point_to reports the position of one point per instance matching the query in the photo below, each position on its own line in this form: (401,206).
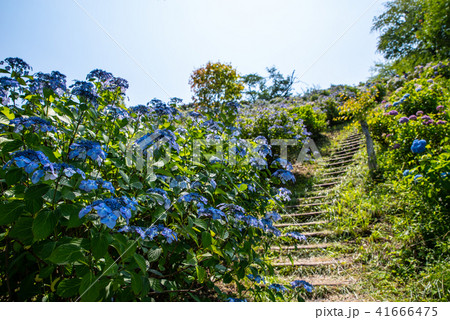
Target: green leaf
(11,146)
(201,274)
(70,212)
(140,262)
(13,176)
(66,254)
(44,224)
(36,191)
(10,212)
(136,283)
(89,288)
(68,288)
(22,230)
(242,187)
(137,185)
(206,239)
(99,245)
(154,254)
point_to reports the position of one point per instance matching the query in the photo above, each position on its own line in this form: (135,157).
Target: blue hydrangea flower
(161,109)
(278,287)
(140,110)
(193,196)
(257,279)
(263,150)
(296,235)
(403,120)
(109,210)
(35,123)
(418,146)
(101,75)
(195,114)
(30,160)
(215,214)
(283,163)
(88,185)
(16,65)
(116,112)
(445,174)
(162,193)
(302,283)
(212,126)
(115,83)
(258,162)
(151,232)
(283,194)
(157,137)
(7,82)
(52,172)
(84,148)
(229,207)
(275,216)
(417,177)
(85,90)
(406,173)
(55,81)
(236,300)
(284,175)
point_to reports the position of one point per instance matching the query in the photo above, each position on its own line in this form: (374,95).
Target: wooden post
(372,158)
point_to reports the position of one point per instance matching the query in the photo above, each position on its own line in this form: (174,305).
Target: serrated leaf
(89,288)
(140,262)
(136,283)
(154,254)
(206,239)
(66,254)
(68,288)
(44,224)
(99,245)
(10,212)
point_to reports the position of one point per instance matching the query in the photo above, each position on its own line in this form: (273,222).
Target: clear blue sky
(170,38)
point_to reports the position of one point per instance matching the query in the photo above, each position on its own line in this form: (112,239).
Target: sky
(156,44)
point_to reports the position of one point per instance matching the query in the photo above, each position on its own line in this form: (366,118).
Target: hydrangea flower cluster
(89,185)
(284,175)
(161,109)
(110,209)
(278,287)
(163,193)
(151,232)
(193,196)
(418,146)
(116,112)
(214,213)
(84,148)
(302,283)
(16,65)
(285,164)
(35,123)
(155,138)
(108,81)
(85,90)
(140,110)
(257,279)
(30,161)
(55,81)
(53,171)
(296,235)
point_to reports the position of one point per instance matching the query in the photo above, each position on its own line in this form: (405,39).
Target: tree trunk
(372,158)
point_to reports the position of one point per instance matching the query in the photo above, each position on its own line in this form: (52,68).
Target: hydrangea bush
(101,202)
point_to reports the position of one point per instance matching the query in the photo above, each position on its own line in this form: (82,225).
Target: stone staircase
(323,259)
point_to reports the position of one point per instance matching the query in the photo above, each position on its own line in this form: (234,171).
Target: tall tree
(215,83)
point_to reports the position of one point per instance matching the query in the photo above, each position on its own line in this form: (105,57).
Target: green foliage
(215,83)
(274,86)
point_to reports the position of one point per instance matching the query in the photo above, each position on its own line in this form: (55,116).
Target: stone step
(340,158)
(303,214)
(311,263)
(334,172)
(322,233)
(343,150)
(329,184)
(338,163)
(305,246)
(308,204)
(302,224)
